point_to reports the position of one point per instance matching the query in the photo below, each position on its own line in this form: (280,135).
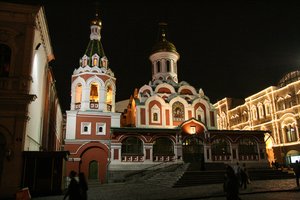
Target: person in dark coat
(297,172)
(231,185)
(83,186)
(244,177)
(73,188)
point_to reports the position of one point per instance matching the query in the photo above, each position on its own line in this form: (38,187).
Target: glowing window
(78,93)
(109,96)
(95,61)
(94,96)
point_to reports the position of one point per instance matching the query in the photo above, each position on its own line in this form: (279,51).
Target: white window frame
(155,109)
(88,125)
(103,125)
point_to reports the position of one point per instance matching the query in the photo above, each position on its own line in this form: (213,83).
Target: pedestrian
(83,186)
(73,187)
(231,184)
(244,177)
(237,171)
(296,169)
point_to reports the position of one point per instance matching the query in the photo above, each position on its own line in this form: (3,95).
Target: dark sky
(227,48)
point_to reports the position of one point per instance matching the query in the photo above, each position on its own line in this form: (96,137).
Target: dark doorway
(93,170)
(193,151)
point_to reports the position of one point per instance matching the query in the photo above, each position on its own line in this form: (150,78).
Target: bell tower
(92,112)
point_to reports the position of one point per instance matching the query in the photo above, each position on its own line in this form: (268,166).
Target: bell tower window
(78,93)
(94,96)
(109,96)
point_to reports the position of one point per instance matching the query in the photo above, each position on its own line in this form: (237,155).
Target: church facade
(166,121)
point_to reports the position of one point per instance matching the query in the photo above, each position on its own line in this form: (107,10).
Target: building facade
(166,121)
(29,108)
(276,109)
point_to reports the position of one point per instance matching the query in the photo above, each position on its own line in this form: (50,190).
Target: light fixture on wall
(193,129)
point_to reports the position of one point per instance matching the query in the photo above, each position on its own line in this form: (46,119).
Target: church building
(166,121)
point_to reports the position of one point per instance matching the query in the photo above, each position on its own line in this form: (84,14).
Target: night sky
(227,48)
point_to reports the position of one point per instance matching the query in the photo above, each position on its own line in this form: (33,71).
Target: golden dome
(163,44)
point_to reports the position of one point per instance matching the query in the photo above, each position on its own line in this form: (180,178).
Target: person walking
(73,188)
(244,177)
(231,184)
(83,186)
(297,171)
(237,171)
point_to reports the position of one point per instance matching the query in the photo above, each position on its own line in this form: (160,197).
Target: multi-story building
(29,108)
(277,109)
(165,121)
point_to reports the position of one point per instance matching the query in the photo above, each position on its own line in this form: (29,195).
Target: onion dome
(94,52)
(289,78)
(163,44)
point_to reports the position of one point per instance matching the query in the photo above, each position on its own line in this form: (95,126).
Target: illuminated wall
(276,108)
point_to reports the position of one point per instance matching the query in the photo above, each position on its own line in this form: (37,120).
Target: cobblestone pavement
(144,191)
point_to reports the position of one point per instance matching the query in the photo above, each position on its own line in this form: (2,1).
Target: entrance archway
(193,149)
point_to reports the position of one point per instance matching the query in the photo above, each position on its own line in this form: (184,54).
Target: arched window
(155,114)
(220,147)
(268,108)
(280,103)
(158,66)
(5,57)
(94,96)
(132,146)
(163,146)
(104,62)
(247,146)
(261,112)
(85,129)
(200,115)
(223,121)
(109,96)
(168,65)
(95,61)
(254,112)
(178,111)
(78,93)
(290,133)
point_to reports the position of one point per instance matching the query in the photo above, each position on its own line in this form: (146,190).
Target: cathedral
(166,121)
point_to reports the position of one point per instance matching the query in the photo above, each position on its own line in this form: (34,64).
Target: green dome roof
(163,44)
